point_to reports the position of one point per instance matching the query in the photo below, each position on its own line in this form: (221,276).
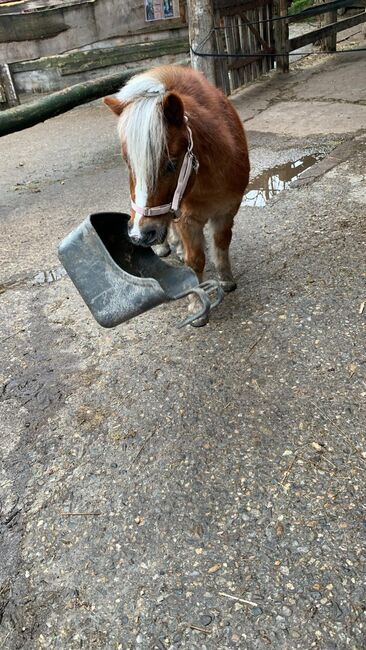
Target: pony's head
(157,147)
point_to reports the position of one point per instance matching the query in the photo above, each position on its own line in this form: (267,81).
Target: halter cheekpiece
(190,163)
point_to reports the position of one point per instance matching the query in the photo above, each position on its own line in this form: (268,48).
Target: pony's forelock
(142,128)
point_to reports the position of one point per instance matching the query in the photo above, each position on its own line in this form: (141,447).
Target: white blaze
(140,200)
(142,128)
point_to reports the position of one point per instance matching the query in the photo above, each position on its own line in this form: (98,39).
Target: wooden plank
(252,46)
(281,36)
(236,48)
(233,5)
(221,64)
(241,76)
(243,33)
(317,34)
(236,8)
(254,30)
(238,63)
(262,14)
(329,43)
(229,49)
(87,60)
(271,60)
(93,59)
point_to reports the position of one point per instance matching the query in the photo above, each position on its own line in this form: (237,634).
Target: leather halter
(190,163)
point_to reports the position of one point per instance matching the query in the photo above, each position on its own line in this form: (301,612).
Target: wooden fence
(328,32)
(243,28)
(260,28)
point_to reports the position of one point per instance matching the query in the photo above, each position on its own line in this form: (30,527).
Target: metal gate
(242,28)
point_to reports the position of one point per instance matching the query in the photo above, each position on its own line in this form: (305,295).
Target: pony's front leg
(191,234)
(171,243)
(221,230)
(175,241)
(162,250)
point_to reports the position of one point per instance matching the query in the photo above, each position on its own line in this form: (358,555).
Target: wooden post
(329,43)
(281,36)
(200,24)
(6,83)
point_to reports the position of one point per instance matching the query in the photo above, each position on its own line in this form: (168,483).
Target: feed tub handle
(202,291)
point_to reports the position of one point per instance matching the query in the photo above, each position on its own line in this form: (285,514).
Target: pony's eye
(171,166)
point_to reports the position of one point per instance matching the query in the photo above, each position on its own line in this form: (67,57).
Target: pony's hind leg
(221,234)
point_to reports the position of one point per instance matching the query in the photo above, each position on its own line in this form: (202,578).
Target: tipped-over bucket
(119,280)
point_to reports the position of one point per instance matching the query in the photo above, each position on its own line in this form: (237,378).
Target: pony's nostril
(133,238)
(150,236)
(146,238)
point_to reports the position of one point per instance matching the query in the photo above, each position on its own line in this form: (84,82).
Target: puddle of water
(273,181)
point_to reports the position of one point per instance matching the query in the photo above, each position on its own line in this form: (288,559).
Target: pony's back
(207,106)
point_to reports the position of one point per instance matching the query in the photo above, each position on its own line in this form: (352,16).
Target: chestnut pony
(187,155)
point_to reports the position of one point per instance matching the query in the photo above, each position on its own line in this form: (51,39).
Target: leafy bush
(299,5)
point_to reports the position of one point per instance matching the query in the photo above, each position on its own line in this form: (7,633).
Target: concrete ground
(198,489)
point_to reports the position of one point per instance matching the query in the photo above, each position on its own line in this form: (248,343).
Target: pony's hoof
(180,253)
(162,250)
(228,285)
(200,322)
(195,307)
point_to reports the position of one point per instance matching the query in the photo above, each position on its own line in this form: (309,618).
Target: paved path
(196,489)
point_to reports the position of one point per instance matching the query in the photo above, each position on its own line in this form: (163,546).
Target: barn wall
(55,30)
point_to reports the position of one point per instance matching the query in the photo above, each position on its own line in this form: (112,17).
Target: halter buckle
(195,162)
(176,215)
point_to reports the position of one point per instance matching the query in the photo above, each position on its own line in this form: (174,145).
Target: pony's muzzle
(145,239)
(148,235)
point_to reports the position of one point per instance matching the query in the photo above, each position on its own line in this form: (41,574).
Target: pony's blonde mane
(141,127)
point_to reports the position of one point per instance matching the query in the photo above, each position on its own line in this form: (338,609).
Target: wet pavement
(196,489)
(274,180)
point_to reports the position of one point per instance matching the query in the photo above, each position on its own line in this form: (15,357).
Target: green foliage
(299,5)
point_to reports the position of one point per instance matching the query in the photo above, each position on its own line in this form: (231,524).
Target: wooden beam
(281,36)
(23,117)
(201,26)
(239,63)
(236,5)
(317,34)
(85,60)
(316,9)
(234,8)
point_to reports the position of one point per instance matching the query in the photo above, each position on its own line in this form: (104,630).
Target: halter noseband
(189,164)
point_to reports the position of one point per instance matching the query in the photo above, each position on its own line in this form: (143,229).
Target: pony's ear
(173,109)
(114,104)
